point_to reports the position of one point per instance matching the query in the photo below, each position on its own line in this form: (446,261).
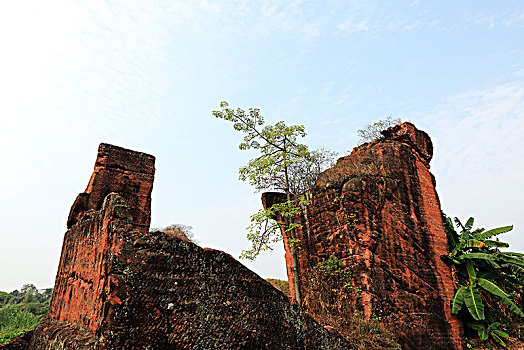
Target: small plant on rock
(491,331)
(373,131)
(331,299)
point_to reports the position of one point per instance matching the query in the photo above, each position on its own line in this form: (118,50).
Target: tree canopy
(284,165)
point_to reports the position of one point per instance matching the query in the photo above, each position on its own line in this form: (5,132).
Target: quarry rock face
(119,286)
(378,212)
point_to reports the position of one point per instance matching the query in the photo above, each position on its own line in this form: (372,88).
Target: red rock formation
(123,171)
(378,212)
(119,286)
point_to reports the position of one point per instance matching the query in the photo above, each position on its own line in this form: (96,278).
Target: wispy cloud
(483,124)
(509,19)
(479,154)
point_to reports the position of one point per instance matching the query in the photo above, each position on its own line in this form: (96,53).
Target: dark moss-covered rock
(119,286)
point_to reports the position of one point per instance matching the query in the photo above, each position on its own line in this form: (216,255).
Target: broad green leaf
(497,244)
(458,300)
(513,254)
(482,256)
(493,232)
(471,256)
(497,339)
(474,303)
(512,306)
(483,334)
(453,237)
(471,272)
(469,224)
(504,298)
(493,326)
(501,333)
(511,259)
(459,224)
(491,287)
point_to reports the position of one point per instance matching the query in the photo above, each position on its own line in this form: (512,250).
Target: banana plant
(491,331)
(478,263)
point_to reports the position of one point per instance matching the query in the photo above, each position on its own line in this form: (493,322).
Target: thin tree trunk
(304,209)
(294,268)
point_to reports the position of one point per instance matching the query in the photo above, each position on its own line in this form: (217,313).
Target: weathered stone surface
(123,171)
(119,286)
(378,212)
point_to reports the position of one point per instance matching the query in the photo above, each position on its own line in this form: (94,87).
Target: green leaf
(458,300)
(518,271)
(504,298)
(470,256)
(501,333)
(497,244)
(497,339)
(491,287)
(483,334)
(469,224)
(511,259)
(513,254)
(493,232)
(471,272)
(459,224)
(512,306)
(481,256)
(493,326)
(474,303)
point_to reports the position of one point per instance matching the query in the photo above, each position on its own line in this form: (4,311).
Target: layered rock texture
(119,286)
(378,212)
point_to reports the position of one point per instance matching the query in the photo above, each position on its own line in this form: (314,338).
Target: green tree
(284,165)
(30,293)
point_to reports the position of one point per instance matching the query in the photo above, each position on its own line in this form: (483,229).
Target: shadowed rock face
(119,286)
(378,212)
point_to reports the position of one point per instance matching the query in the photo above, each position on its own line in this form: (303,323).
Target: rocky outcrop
(119,286)
(122,171)
(378,212)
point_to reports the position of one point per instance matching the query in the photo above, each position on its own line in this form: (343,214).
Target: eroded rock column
(378,212)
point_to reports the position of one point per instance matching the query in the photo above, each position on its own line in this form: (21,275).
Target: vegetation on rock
(331,301)
(182,231)
(374,130)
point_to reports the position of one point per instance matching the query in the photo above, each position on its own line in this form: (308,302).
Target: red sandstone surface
(119,286)
(378,212)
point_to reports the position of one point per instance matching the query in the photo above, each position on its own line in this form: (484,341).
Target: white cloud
(507,19)
(479,155)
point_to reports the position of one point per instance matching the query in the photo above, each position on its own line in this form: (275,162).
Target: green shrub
(488,281)
(15,320)
(22,311)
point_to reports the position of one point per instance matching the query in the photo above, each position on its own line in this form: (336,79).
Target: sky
(146,75)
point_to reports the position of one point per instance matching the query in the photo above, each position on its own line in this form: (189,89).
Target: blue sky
(146,75)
